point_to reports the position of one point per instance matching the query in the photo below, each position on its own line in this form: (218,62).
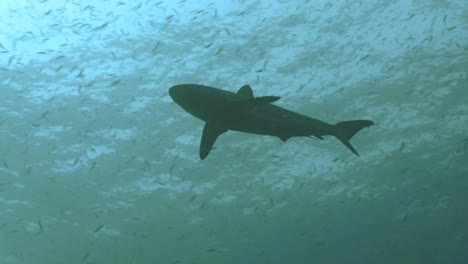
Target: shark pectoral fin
(211,132)
(246,90)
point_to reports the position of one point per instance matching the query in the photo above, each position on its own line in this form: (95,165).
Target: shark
(241,111)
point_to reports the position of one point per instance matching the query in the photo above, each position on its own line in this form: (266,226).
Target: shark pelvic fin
(211,132)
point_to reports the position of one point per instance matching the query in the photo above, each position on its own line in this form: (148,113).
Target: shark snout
(174,91)
(183,94)
(178,93)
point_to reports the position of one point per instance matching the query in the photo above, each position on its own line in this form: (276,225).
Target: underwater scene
(233,131)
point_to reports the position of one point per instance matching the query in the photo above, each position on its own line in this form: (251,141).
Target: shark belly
(276,121)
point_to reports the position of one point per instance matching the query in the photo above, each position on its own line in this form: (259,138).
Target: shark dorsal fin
(211,132)
(246,90)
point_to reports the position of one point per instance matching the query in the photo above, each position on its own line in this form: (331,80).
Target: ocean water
(99,165)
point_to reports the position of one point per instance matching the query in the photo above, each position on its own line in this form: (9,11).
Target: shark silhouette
(223,110)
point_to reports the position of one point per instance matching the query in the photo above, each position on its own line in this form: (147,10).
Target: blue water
(99,165)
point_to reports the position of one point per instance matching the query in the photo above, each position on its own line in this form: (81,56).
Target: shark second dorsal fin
(246,90)
(264,99)
(248,104)
(211,132)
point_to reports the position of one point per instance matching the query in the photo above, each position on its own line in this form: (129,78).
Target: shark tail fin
(347,129)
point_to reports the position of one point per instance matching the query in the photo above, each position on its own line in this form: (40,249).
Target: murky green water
(99,165)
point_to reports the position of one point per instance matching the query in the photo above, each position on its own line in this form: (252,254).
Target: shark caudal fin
(347,129)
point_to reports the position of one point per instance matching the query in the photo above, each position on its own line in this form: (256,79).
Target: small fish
(155,47)
(41,228)
(203,204)
(135,57)
(11,59)
(136,7)
(158,182)
(451,28)
(365,56)
(209,44)
(193,198)
(429,38)
(219,51)
(5,163)
(85,257)
(411,16)
(114,83)
(101,26)
(147,163)
(80,74)
(98,228)
(44,115)
(402,146)
(132,158)
(404,217)
(217,250)
(265,64)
